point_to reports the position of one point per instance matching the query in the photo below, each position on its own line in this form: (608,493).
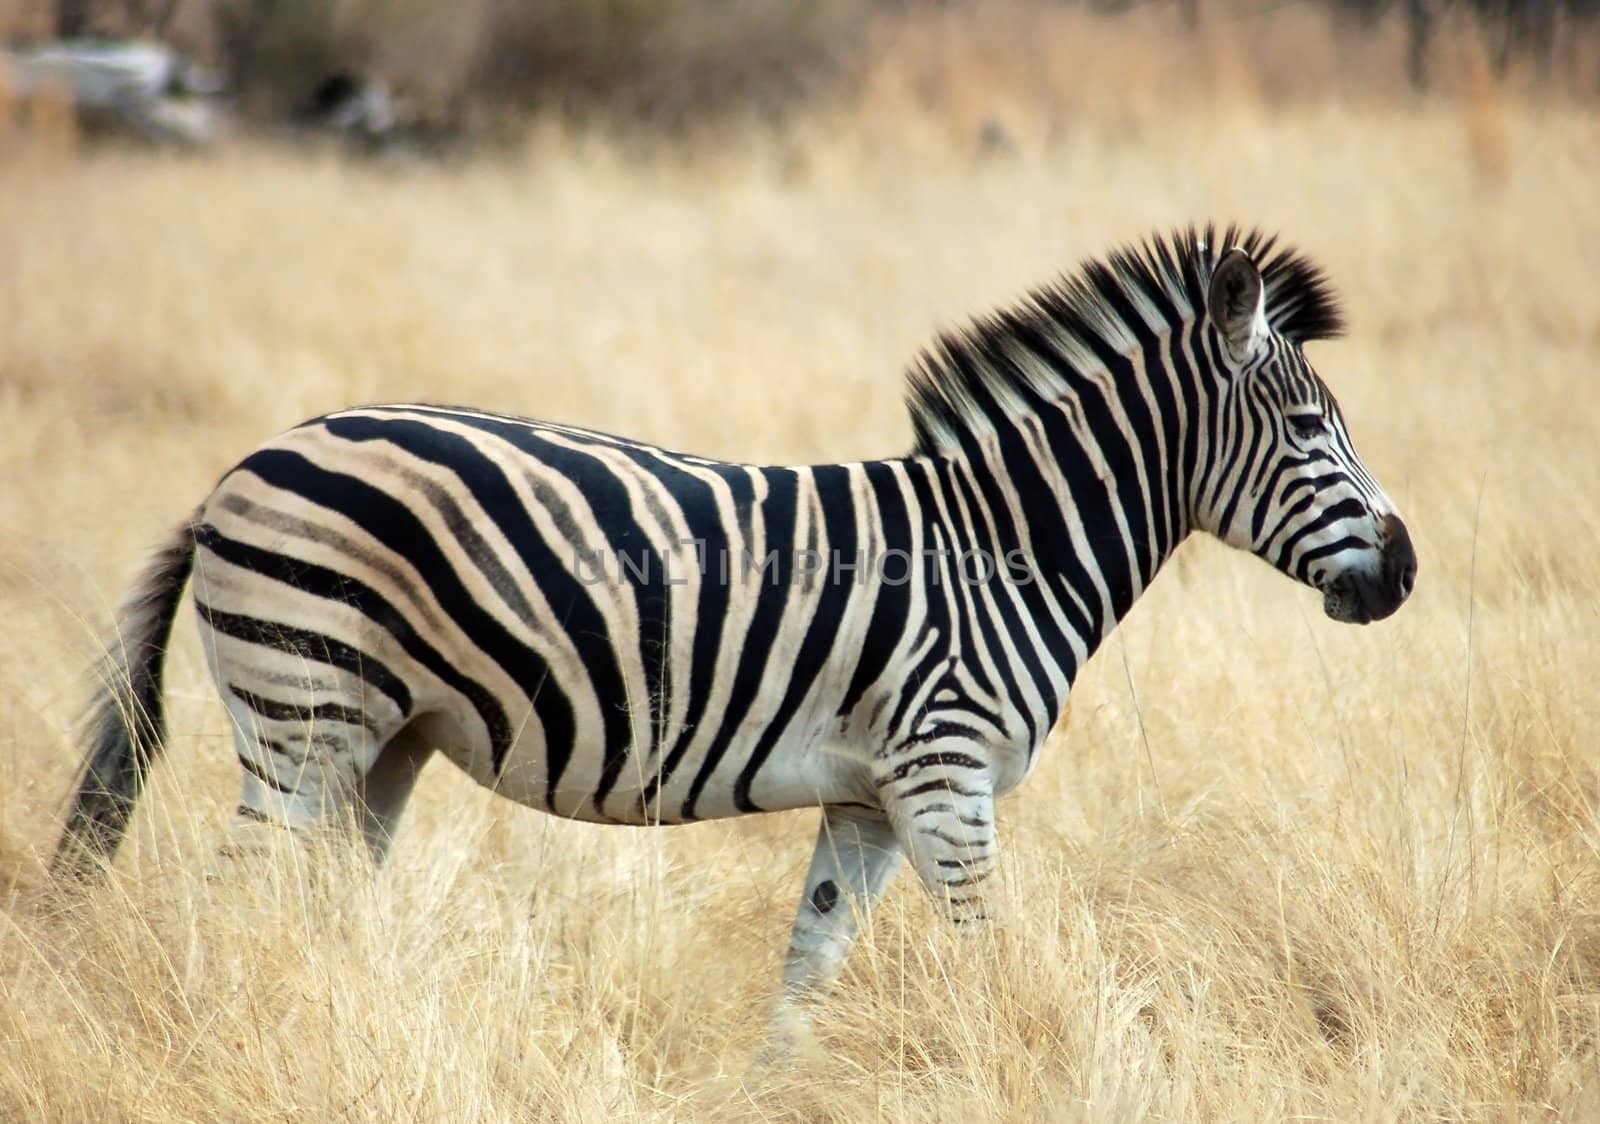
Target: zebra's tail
(125,719)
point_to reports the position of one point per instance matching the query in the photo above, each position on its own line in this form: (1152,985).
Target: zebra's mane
(1013,360)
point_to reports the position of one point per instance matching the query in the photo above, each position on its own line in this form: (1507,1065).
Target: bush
(651,61)
(668,64)
(276,51)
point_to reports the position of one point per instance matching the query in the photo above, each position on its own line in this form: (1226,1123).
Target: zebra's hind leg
(302,767)
(386,787)
(855,856)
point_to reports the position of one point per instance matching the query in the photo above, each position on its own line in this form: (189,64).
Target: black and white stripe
(614,632)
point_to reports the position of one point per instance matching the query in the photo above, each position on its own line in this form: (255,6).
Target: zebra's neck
(1082,469)
(1084,525)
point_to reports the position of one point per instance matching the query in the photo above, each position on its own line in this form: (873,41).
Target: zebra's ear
(1237,303)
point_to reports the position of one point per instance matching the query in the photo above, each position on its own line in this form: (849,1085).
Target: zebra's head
(1284,480)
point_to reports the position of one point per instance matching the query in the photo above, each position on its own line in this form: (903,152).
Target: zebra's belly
(806,773)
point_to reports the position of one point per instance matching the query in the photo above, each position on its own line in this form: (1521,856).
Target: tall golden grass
(1274,867)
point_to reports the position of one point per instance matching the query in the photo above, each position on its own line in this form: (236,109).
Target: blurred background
(433,77)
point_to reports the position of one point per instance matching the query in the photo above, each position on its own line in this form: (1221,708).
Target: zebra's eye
(1306,425)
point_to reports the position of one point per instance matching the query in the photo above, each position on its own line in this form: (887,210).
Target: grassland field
(1272,867)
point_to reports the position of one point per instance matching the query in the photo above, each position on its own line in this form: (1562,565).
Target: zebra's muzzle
(1361,596)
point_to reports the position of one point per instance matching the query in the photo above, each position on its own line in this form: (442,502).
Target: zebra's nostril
(1400,559)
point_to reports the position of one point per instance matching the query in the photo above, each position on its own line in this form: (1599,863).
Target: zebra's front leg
(940,800)
(855,856)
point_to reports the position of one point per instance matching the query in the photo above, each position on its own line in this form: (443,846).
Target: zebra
(554,608)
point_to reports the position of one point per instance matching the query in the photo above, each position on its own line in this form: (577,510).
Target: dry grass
(1276,867)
